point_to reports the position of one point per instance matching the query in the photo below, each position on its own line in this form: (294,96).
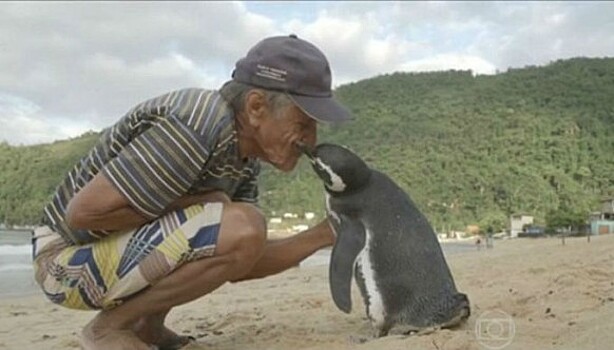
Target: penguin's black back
(411,272)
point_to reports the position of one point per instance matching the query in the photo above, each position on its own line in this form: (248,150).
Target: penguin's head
(341,170)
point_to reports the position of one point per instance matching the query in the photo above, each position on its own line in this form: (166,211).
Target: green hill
(30,174)
(468,149)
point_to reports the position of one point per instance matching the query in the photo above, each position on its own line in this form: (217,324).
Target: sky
(70,67)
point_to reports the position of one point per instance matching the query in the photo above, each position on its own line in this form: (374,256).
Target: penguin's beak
(305,149)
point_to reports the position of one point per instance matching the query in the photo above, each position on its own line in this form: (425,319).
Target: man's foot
(169,340)
(159,335)
(95,336)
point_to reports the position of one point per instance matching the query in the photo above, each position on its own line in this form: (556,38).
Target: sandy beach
(525,294)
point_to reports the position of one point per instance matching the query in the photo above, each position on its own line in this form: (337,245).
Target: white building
(517,222)
(299,228)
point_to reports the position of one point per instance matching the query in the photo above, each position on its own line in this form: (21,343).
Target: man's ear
(255,107)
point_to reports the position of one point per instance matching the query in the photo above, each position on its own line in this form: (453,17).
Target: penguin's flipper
(350,242)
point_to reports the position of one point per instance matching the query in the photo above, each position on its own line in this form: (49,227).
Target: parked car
(533,231)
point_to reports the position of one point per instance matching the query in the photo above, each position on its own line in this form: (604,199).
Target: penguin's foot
(359,339)
(425,331)
(408,330)
(458,320)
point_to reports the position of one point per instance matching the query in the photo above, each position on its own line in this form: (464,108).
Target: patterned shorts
(102,274)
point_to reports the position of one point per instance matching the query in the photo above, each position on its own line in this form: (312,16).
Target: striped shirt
(182,142)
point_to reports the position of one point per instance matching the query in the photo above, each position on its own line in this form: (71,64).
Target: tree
(565,217)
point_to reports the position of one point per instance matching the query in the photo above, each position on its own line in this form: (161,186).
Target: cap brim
(323,109)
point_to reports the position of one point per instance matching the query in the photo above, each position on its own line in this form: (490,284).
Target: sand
(525,294)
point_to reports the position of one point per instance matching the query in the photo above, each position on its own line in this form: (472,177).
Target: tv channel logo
(495,329)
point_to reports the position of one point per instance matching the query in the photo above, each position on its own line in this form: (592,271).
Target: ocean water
(17,274)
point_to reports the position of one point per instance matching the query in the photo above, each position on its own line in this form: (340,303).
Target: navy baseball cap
(296,67)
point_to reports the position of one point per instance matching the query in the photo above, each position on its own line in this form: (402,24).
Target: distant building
(517,222)
(299,228)
(602,222)
(602,227)
(275,220)
(607,208)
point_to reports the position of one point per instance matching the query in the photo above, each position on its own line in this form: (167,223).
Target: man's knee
(242,233)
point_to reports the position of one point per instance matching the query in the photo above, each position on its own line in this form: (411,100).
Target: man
(161,211)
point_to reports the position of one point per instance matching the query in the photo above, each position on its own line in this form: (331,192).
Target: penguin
(387,245)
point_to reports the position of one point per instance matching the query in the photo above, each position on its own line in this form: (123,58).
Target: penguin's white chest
(374,301)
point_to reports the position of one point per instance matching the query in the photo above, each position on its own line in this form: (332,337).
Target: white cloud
(441,62)
(90,62)
(352,45)
(22,123)
(83,64)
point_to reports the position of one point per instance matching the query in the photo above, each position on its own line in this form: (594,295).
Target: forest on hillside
(468,149)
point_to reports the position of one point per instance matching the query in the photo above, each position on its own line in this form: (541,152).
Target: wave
(15,267)
(7,249)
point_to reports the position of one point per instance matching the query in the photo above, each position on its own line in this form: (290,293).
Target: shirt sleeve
(158,166)
(248,189)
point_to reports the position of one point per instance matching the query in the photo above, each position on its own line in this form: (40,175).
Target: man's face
(279,133)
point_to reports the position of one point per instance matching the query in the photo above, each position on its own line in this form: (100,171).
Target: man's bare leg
(279,255)
(240,244)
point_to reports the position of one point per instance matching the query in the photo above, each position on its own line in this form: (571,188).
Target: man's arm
(282,254)
(153,173)
(100,206)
